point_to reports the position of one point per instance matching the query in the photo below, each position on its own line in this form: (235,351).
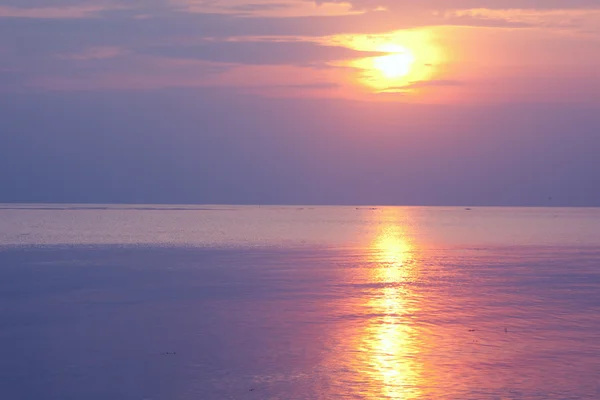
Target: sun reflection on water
(389,341)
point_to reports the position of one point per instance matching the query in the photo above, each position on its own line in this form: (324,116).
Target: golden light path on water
(384,350)
(391,339)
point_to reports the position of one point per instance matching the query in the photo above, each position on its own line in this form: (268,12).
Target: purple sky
(433,102)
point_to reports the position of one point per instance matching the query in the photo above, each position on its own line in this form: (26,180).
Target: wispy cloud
(309,86)
(260,52)
(140,73)
(95,53)
(423,84)
(268,8)
(565,19)
(66,12)
(453,5)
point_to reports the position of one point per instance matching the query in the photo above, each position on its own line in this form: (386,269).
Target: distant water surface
(227,302)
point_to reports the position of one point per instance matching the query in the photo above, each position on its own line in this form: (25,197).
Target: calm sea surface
(219,302)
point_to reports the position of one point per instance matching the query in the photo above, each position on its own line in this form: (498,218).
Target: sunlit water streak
(181,302)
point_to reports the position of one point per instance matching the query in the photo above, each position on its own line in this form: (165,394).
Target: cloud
(563,19)
(424,84)
(308,86)
(260,52)
(453,5)
(260,7)
(132,72)
(96,53)
(268,8)
(68,12)
(464,19)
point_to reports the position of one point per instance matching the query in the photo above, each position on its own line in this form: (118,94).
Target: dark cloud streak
(260,53)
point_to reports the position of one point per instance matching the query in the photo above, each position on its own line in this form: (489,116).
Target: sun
(397,62)
(395,65)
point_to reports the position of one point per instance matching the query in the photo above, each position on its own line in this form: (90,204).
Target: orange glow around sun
(400,60)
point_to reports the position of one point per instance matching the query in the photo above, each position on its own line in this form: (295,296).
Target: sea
(179,302)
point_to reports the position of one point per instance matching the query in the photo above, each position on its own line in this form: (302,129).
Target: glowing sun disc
(396,64)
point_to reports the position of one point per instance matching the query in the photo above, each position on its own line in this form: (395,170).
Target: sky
(389,102)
